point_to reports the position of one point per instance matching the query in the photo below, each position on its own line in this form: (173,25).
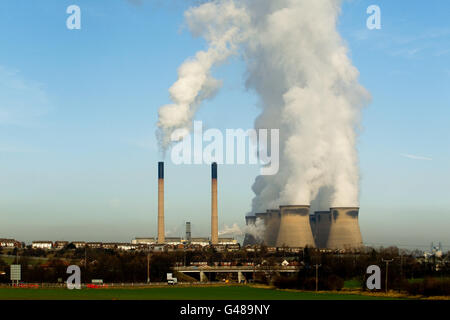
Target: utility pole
(148,267)
(254,265)
(401,266)
(85,264)
(387,270)
(317,276)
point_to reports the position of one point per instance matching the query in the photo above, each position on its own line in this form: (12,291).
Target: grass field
(174,293)
(352,284)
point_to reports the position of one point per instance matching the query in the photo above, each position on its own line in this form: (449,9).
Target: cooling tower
(323,222)
(260,216)
(161,237)
(344,229)
(214,217)
(272,225)
(249,239)
(312,223)
(295,229)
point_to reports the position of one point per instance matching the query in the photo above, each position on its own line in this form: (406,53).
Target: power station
(295,226)
(287,226)
(214,211)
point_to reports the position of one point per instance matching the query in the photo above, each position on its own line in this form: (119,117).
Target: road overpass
(240,270)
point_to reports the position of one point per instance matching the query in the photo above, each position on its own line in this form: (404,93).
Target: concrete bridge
(240,270)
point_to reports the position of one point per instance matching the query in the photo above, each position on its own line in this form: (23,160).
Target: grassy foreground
(174,293)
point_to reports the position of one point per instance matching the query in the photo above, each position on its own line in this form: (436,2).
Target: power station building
(163,240)
(295,226)
(287,226)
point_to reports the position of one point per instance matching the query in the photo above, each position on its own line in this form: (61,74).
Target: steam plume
(299,67)
(221,25)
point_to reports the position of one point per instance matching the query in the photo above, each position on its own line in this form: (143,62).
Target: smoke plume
(231,231)
(220,24)
(298,65)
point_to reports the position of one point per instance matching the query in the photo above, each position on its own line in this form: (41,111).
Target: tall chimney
(188,231)
(161,237)
(295,228)
(214,218)
(344,229)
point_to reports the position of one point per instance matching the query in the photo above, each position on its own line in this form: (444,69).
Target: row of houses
(171,244)
(146,244)
(10,243)
(58,245)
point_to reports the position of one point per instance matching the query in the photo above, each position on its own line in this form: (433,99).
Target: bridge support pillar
(203,277)
(241,277)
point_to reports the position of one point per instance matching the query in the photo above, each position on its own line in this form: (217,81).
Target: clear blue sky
(78,110)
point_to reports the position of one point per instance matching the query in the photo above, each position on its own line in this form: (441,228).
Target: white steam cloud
(299,67)
(221,25)
(231,231)
(256,230)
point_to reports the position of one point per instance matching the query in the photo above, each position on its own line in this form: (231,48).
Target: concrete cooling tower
(322,229)
(260,217)
(249,239)
(312,223)
(344,229)
(272,225)
(295,229)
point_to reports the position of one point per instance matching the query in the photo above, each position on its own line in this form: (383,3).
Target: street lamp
(387,270)
(317,276)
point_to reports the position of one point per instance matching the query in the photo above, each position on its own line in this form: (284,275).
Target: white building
(79,244)
(126,246)
(143,241)
(42,245)
(200,241)
(9,243)
(227,241)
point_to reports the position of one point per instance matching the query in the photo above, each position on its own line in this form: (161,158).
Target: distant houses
(46,245)
(9,243)
(143,244)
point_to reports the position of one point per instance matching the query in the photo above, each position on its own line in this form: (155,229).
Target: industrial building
(289,226)
(294,226)
(173,241)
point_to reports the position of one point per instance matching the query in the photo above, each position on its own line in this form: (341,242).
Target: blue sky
(78,110)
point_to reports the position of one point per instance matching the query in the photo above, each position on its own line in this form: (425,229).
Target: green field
(174,293)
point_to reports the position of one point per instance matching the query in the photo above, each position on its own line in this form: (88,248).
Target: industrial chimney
(188,232)
(323,222)
(272,226)
(344,229)
(214,217)
(161,237)
(295,229)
